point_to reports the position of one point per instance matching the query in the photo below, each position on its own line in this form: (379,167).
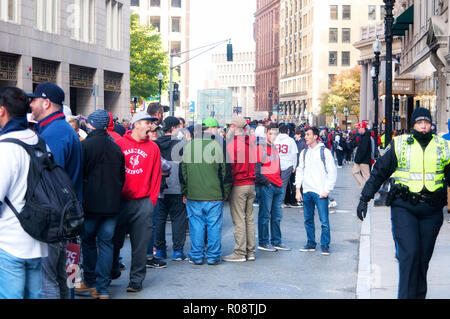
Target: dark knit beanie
(420,114)
(99,119)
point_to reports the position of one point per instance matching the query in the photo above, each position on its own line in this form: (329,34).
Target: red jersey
(242,157)
(270,160)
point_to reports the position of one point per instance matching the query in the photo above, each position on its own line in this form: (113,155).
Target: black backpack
(52,211)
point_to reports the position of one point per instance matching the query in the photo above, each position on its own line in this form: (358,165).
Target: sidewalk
(378,268)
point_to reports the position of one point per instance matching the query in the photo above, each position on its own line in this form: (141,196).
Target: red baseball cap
(362,125)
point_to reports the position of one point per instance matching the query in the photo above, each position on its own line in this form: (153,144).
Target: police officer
(419,164)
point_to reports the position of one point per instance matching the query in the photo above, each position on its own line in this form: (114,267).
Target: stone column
(363,94)
(24,75)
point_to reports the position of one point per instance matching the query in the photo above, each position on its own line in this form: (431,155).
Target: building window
(135,3)
(176,4)
(156,23)
(83,21)
(176,25)
(8,10)
(332,58)
(345,58)
(333,35)
(333,12)
(46,13)
(330,80)
(346,35)
(175,47)
(382,12)
(346,12)
(155,3)
(113,25)
(372,13)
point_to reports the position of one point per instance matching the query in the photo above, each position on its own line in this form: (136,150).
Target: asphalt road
(279,275)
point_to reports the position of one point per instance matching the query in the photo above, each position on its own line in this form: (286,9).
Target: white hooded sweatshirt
(287,149)
(312,175)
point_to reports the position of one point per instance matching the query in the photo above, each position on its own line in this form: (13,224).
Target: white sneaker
(332,204)
(255,205)
(339,166)
(283,206)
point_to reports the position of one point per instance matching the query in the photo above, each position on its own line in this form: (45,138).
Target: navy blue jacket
(65,147)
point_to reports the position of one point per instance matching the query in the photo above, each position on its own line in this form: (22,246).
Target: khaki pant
(448,199)
(361,172)
(241,206)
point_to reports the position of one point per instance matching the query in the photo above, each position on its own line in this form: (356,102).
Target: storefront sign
(399,87)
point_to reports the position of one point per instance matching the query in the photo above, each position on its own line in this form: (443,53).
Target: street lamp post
(160,78)
(377,47)
(388,21)
(334,112)
(346,117)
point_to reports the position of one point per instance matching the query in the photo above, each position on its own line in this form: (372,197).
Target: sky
(213,21)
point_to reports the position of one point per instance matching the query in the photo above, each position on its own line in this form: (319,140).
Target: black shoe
(198,263)
(115,275)
(134,289)
(156,263)
(214,263)
(122,266)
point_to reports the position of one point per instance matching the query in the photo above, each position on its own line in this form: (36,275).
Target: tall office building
(172,20)
(315,46)
(78,44)
(239,76)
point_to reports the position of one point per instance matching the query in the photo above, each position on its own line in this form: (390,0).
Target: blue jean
(310,200)
(20,278)
(152,237)
(97,234)
(204,215)
(270,213)
(257,193)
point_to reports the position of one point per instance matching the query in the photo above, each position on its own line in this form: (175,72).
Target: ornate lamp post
(346,117)
(377,47)
(334,112)
(388,21)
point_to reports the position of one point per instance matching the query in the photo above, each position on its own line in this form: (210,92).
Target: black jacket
(103,174)
(364,150)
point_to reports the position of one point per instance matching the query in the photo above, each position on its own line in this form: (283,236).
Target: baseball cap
(240,122)
(210,122)
(169,122)
(142,116)
(49,91)
(362,125)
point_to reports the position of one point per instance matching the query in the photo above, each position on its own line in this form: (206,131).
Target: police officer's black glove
(361,211)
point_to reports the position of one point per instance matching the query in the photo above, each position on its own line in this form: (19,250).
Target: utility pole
(388,21)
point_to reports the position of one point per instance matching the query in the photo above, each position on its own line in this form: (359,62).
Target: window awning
(403,21)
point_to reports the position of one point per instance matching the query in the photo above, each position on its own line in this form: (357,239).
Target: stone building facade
(77,44)
(267,59)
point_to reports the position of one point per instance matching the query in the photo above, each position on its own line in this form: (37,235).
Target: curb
(363,284)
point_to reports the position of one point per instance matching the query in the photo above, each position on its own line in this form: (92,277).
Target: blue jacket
(447,136)
(65,147)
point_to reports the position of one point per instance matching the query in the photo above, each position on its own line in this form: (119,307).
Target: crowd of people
(133,176)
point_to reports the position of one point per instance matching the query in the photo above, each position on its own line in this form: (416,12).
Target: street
(279,275)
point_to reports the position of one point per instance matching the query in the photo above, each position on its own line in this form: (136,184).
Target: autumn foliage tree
(147,60)
(345,91)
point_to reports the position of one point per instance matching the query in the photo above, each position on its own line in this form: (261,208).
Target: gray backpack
(322,157)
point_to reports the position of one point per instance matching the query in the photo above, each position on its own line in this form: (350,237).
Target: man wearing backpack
(46,107)
(20,254)
(316,173)
(104,176)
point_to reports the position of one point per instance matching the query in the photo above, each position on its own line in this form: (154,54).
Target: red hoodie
(142,168)
(111,131)
(242,155)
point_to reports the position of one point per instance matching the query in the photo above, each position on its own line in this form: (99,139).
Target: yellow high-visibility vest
(418,168)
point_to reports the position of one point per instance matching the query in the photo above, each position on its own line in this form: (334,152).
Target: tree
(147,60)
(344,91)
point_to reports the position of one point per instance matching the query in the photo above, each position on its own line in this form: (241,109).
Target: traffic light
(229,52)
(396,104)
(176,93)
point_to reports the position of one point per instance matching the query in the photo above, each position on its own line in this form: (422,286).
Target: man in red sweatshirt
(114,135)
(241,151)
(139,196)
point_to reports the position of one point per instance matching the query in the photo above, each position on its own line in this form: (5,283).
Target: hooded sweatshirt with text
(142,168)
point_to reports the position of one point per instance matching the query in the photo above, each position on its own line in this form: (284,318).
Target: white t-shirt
(287,149)
(14,166)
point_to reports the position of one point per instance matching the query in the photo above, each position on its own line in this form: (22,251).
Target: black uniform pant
(415,231)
